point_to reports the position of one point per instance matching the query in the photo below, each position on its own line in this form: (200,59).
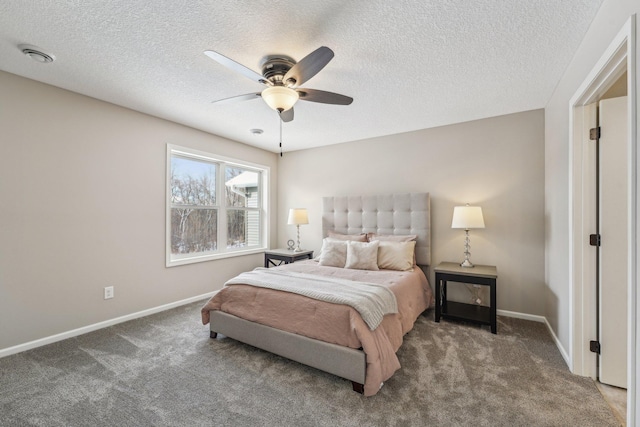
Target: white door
(613,250)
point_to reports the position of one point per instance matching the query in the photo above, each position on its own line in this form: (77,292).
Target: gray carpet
(164,370)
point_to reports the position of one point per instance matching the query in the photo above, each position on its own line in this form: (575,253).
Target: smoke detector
(36,54)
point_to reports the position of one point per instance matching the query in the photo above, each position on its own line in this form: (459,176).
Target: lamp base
(467,264)
(298,248)
(467,253)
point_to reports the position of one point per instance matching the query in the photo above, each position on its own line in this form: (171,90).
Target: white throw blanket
(371,300)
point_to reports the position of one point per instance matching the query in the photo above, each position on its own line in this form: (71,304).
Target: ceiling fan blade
(323,97)
(230,63)
(230,100)
(308,66)
(287,115)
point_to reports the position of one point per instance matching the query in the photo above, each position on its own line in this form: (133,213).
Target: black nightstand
(484,275)
(284,256)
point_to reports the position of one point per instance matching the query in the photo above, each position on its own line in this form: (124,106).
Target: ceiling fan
(283,77)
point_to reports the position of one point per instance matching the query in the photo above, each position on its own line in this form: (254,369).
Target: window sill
(212,257)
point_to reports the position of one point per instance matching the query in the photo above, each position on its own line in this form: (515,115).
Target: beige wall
(608,22)
(82,185)
(497,163)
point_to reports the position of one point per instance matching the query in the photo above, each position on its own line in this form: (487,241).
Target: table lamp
(467,217)
(297,217)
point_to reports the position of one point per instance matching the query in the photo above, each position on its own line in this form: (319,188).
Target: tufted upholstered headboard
(406,213)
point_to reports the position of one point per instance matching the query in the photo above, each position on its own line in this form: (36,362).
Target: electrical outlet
(108,292)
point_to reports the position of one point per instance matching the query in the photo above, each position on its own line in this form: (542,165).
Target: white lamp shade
(279,97)
(298,216)
(467,217)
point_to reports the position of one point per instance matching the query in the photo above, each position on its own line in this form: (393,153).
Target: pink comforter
(335,323)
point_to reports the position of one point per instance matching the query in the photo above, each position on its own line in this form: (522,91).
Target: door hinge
(594,133)
(595,240)
(594,346)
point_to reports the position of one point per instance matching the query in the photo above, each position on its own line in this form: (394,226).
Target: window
(216,207)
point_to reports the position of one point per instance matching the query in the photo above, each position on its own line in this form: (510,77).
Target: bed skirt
(342,361)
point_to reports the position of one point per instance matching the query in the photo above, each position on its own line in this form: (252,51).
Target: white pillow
(333,253)
(362,256)
(330,239)
(396,255)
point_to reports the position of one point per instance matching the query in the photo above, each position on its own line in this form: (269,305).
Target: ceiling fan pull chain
(280,121)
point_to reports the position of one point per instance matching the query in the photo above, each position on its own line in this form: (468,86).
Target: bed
(332,337)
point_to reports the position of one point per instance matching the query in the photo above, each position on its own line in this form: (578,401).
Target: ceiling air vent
(36,54)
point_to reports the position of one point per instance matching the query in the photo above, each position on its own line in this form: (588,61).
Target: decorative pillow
(362,256)
(330,239)
(354,237)
(333,253)
(396,255)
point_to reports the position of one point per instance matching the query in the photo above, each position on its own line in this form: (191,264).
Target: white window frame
(222,250)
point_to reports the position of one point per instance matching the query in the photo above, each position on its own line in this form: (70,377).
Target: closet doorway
(603,294)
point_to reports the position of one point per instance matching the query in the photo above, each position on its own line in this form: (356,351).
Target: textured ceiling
(408,64)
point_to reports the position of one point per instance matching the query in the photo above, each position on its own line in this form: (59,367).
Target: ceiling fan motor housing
(274,69)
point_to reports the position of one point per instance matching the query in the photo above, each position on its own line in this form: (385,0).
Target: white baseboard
(90,328)
(525,316)
(563,352)
(540,319)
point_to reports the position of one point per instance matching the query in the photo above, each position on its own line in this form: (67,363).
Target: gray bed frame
(398,214)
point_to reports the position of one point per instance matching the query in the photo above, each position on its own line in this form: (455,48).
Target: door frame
(620,56)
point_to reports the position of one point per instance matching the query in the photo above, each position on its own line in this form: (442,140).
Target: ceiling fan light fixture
(280,98)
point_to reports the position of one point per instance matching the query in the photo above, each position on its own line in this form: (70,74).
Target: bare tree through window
(194,224)
(196,206)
